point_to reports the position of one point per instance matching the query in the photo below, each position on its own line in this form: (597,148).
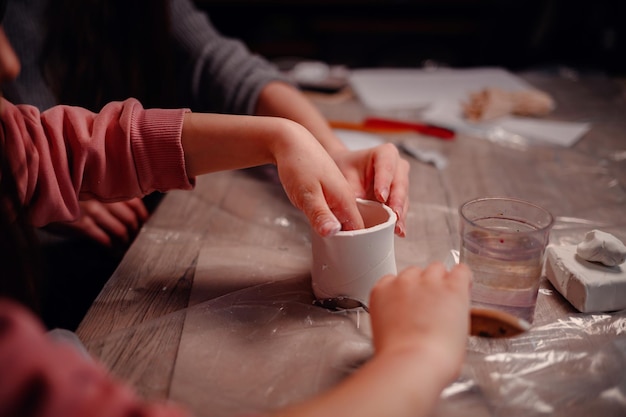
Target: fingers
(457,279)
(118,219)
(399,197)
(385,164)
(414,277)
(345,209)
(420,307)
(331,209)
(414,282)
(138,206)
(358,184)
(316,186)
(107,223)
(391,182)
(380,174)
(321,217)
(462,275)
(85,226)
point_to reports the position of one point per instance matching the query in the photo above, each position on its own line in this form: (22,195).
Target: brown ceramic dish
(495,324)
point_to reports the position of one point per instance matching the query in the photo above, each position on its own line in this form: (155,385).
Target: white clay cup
(349,263)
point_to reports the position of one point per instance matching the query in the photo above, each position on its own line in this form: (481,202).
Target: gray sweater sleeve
(219,74)
(23,27)
(224,76)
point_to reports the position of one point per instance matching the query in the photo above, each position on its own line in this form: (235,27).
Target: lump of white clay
(602,247)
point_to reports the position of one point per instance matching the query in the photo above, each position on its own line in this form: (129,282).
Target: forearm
(416,356)
(283,100)
(218,142)
(400,385)
(312,181)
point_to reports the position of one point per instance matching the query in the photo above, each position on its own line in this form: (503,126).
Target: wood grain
(134,326)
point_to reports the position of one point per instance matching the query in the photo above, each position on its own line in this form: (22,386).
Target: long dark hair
(97,51)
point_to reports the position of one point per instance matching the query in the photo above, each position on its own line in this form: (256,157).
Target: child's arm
(420,324)
(313,182)
(125,151)
(377,173)
(419,319)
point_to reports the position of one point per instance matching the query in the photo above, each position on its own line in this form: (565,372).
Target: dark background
(518,35)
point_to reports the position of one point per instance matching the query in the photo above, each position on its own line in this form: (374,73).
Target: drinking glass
(503,241)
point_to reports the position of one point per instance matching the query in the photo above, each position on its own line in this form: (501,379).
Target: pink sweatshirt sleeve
(68,153)
(43,378)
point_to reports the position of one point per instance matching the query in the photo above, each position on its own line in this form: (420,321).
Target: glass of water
(503,241)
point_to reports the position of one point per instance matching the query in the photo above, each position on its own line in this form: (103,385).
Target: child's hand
(109,224)
(420,320)
(315,184)
(378,174)
(425,312)
(311,179)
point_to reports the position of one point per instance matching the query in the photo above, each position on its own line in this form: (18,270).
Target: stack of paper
(439,95)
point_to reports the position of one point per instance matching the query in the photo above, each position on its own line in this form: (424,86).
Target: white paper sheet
(356,140)
(440,93)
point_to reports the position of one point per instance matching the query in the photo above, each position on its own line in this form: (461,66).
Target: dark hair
(19,249)
(3,8)
(97,51)
(19,258)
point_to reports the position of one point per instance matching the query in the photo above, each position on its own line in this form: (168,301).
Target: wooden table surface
(206,250)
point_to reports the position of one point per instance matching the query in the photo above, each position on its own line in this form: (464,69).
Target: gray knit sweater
(221,74)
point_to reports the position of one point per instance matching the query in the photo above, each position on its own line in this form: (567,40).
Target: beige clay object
(491,103)
(495,324)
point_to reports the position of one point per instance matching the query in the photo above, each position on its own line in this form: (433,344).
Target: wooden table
(227,263)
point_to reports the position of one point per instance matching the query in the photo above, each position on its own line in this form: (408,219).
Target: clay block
(589,286)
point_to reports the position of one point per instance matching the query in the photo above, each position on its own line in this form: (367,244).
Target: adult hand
(378,174)
(109,224)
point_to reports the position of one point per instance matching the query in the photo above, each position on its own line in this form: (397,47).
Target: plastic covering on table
(268,345)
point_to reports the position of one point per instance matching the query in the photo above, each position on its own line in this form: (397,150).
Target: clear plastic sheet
(571,367)
(258,348)
(268,345)
(247,344)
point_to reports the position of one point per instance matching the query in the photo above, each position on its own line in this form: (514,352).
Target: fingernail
(384,194)
(329,228)
(400,230)
(398,212)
